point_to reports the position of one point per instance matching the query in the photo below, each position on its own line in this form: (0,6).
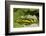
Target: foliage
(22,16)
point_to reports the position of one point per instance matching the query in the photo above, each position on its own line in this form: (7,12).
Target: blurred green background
(24,17)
